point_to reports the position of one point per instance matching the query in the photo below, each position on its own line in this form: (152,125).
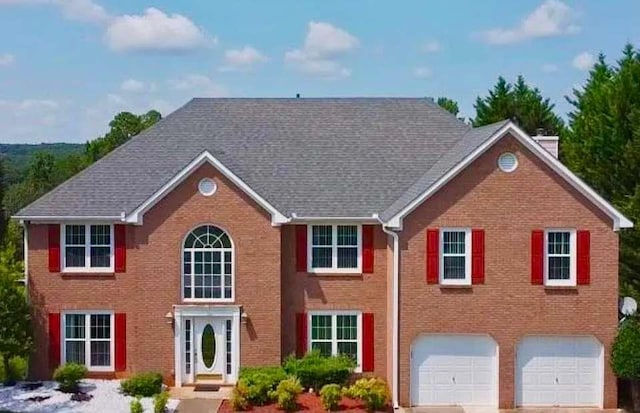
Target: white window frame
(467,257)
(334,250)
(572,255)
(87,338)
(334,330)
(221,251)
(87,249)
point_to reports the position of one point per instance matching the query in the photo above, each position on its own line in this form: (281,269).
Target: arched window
(207,267)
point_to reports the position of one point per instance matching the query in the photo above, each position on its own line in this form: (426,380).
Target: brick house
(466,266)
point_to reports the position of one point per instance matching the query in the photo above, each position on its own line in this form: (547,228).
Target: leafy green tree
(603,147)
(3,217)
(521,103)
(15,331)
(449,105)
(123,127)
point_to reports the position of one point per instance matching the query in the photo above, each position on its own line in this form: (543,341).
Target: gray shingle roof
(340,157)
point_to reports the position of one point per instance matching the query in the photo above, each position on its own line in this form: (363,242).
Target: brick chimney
(549,143)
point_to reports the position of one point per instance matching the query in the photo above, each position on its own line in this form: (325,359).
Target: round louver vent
(207,187)
(507,162)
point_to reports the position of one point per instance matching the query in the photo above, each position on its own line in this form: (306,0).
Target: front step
(209,377)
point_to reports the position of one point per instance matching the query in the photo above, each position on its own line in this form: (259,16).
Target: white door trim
(181,312)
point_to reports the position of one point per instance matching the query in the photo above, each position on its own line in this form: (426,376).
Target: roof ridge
(109,155)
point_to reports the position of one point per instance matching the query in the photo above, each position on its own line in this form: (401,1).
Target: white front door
(210,350)
(559,371)
(454,370)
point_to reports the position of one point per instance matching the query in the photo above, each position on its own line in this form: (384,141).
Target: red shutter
(367,249)
(537,257)
(433,242)
(54,339)
(583,275)
(301,334)
(121,341)
(301,248)
(368,354)
(477,256)
(54,248)
(120,242)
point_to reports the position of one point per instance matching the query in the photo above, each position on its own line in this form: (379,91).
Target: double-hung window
(88,339)
(335,248)
(560,257)
(87,247)
(334,333)
(455,262)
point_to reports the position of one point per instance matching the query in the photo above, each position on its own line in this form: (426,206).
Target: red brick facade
(507,306)
(508,206)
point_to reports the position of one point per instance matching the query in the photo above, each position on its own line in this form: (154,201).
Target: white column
(235,345)
(177,335)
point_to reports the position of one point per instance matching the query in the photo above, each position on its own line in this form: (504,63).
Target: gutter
(395,311)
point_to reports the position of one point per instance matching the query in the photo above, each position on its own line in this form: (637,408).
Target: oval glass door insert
(208,346)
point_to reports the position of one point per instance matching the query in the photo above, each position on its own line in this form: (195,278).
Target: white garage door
(559,371)
(454,370)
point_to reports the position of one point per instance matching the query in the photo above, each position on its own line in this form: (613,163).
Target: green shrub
(260,381)
(143,385)
(17,370)
(286,393)
(69,375)
(136,406)
(239,400)
(160,402)
(315,370)
(625,353)
(372,391)
(331,395)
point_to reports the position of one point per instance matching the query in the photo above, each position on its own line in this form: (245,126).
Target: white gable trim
(619,220)
(135,217)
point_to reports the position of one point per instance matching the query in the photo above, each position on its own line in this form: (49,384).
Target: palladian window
(207,266)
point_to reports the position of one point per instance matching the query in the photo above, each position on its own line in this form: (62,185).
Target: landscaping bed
(106,396)
(308,402)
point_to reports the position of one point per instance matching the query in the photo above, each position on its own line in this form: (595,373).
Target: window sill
(89,274)
(456,286)
(335,274)
(560,287)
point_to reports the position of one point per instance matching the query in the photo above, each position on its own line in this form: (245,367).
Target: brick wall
(508,307)
(151,285)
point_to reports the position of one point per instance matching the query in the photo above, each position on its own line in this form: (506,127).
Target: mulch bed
(307,402)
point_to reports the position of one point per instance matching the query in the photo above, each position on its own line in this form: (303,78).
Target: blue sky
(67,66)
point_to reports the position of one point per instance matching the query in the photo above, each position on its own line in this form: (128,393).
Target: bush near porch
(278,387)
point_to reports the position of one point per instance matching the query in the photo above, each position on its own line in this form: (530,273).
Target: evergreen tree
(449,105)
(522,104)
(603,146)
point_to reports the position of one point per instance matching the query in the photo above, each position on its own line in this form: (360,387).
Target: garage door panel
(559,371)
(454,370)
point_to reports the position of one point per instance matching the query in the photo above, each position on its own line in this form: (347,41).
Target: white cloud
(7,59)
(422,72)
(549,68)
(431,46)
(155,31)
(242,59)
(584,61)
(132,85)
(551,18)
(198,85)
(323,44)
(83,10)
(29,120)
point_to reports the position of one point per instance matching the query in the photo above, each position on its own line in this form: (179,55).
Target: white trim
(87,249)
(467,257)
(87,338)
(310,220)
(571,282)
(55,219)
(334,249)
(229,312)
(277,218)
(334,329)
(222,251)
(395,316)
(619,220)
